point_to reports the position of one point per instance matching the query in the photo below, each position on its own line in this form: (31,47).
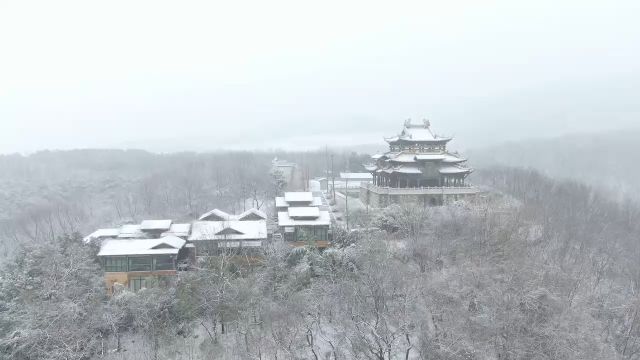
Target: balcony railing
(435,190)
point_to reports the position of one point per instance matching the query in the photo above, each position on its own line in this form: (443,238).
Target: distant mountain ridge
(609,160)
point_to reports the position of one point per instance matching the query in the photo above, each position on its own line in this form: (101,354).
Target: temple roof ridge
(418,132)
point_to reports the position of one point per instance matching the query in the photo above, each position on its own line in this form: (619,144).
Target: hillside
(606,160)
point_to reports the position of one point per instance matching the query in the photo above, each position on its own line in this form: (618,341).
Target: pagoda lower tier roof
(430,156)
(403,158)
(453,159)
(452,170)
(370,167)
(407,170)
(405,139)
(403,169)
(411,158)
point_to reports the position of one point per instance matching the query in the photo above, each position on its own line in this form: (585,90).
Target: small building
(284,167)
(302,217)
(218,232)
(300,225)
(418,168)
(140,263)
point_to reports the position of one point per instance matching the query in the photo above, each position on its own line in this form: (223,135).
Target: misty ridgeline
(539,267)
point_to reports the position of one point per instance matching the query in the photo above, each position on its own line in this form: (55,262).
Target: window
(163,263)
(140,263)
(137,283)
(115,264)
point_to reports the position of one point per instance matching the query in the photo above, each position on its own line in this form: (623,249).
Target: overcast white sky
(179,74)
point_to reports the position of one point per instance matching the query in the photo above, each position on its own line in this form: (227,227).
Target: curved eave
(370,168)
(403,161)
(454,171)
(430,157)
(395,140)
(408,171)
(453,161)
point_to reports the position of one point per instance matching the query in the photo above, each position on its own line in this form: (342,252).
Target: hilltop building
(302,218)
(417,168)
(141,255)
(137,263)
(218,232)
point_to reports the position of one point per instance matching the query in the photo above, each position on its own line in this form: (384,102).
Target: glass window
(140,263)
(163,263)
(115,264)
(137,283)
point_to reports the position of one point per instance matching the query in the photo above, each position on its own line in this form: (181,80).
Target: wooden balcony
(439,190)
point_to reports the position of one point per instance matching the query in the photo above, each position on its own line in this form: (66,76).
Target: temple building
(417,168)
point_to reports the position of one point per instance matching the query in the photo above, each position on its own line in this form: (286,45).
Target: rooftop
(155,225)
(101,234)
(324,219)
(163,246)
(418,133)
(298,197)
(179,230)
(228,230)
(303,212)
(281,203)
(219,215)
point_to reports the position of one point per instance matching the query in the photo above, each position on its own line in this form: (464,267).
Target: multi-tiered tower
(417,168)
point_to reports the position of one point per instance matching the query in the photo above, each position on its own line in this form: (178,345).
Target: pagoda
(417,168)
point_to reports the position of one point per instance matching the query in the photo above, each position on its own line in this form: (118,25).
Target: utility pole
(333,180)
(346,201)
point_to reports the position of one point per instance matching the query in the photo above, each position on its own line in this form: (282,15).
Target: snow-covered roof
(370,167)
(356,176)
(298,196)
(430,156)
(101,234)
(163,246)
(403,158)
(417,133)
(453,159)
(219,215)
(285,220)
(454,170)
(215,215)
(130,231)
(407,170)
(155,225)
(303,212)
(282,203)
(251,214)
(377,156)
(230,230)
(180,230)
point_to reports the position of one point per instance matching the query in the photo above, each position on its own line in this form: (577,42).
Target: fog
(169,76)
